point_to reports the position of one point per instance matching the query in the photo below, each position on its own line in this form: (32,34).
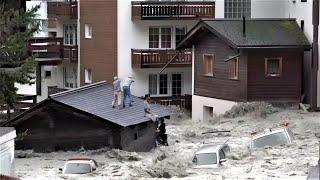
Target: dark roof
(96,99)
(6,130)
(258,33)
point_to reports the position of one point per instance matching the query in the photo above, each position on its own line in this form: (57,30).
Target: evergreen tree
(17,26)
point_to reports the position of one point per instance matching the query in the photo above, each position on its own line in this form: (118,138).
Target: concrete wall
(199,104)
(7,153)
(145,134)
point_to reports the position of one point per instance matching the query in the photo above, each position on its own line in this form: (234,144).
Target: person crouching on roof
(116,92)
(147,109)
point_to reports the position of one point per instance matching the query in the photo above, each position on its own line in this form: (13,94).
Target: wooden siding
(219,86)
(57,128)
(100,52)
(287,87)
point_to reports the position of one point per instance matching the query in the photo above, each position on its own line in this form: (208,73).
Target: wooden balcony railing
(154,58)
(56,9)
(70,52)
(183,101)
(51,51)
(153,10)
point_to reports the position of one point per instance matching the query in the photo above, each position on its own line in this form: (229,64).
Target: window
(87,76)
(69,77)
(303,0)
(70,34)
(233,68)
(153,84)
(154,37)
(135,136)
(159,84)
(176,84)
(163,84)
(88,31)
(160,37)
(180,32)
(47,74)
(165,37)
(208,61)
(273,67)
(236,9)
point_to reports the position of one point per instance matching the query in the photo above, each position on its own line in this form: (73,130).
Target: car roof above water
(210,148)
(270,131)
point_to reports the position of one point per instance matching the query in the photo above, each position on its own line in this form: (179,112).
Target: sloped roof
(258,33)
(96,99)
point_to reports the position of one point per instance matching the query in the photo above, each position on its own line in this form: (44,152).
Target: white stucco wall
(268,8)
(7,153)
(41,15)
(219,106)
(135,35)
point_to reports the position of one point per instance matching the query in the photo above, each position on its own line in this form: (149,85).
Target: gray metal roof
(96,99)
(258,33)
(6,130)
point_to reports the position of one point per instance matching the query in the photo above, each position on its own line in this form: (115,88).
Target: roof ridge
(82,88)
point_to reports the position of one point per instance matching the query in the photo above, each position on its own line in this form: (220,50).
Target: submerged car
(210,156)
(79,166)
(272,137)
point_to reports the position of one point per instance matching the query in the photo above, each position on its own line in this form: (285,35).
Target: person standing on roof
(116,92)
(126,91)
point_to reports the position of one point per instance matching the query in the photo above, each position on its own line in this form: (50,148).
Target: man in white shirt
(116,92)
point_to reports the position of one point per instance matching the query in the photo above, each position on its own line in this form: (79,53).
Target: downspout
(314,62)
(79,44)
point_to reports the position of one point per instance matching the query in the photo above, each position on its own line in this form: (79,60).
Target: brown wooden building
(83,117)
(248,60)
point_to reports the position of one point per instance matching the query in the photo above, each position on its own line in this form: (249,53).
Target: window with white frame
(87,76)
(180,32)
(160,37)
(153,84)
(70,34)
(236,9)
(176,81)
(88,31)
(70,77)
(166,84)
(163,84)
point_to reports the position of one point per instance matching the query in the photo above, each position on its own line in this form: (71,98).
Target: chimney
(244,26)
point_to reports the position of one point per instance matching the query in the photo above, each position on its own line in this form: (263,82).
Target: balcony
(155,58)
(70,52)
(175,10)
(51,51)
(67,9)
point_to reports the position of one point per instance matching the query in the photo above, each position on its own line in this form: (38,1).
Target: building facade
(102,39)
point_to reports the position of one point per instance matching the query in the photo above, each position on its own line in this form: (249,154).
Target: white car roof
(213,148)
(80,161)
(273,131)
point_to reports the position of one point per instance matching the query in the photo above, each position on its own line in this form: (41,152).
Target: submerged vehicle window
(77,168)
(271,140)
(205,159)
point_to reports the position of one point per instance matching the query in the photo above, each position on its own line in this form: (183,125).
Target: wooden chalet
(248,60)
(83,117)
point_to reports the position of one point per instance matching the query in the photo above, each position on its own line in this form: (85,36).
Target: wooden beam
(315,53)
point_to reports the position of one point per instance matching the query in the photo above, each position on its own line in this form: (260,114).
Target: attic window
(273,67)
